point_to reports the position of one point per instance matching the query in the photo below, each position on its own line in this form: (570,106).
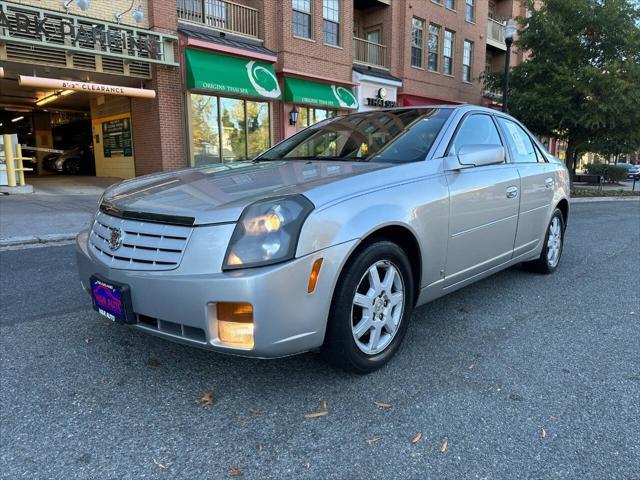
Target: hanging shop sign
(304,92)
(58,84)
(40,27)
(231,75)
(116,138)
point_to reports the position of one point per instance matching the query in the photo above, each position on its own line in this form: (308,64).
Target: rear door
(537,186)
(483,205)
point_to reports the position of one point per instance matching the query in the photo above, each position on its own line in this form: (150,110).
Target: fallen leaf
(465,310)
(234,472)
(543,432)
(255,411)
(307,465)
(553,418)
(416,438)
(244,421)
(316,414)
(324,404)
(259,446)
(373,440)
(473,365)
(444,446)
(161,465)
(206,398)
(383,405)
(153,362)
(88,339)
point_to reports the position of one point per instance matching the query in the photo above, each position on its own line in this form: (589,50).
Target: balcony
(221,15)
(370,53)
(495,34)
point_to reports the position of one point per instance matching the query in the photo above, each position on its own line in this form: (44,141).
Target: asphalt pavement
(518,376)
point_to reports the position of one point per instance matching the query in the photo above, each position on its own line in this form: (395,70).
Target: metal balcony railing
(221,15)
(495,31)
(370,53)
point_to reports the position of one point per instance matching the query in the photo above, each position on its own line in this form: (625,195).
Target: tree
(581,81)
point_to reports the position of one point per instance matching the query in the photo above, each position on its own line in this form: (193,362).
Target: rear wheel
(72,166)
(371,308)
(553,245)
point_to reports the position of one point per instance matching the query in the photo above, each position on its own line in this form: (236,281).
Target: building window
(447,52)
(227,129)
(470,11)
(301,18)
(331,22)
(417,41)
(308,115)
(467,58)
(434,47)
(451,4)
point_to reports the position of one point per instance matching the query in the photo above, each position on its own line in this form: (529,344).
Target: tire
(551,253)
(72,166)
(373,343)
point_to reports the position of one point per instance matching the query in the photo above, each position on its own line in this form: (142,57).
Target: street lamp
(83,5)
(293,116)
(509,31)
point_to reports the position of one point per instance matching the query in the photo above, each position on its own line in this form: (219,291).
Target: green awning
(326,95)
(231,75)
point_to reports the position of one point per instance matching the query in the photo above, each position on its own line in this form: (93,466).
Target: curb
(604,199)
(36,239)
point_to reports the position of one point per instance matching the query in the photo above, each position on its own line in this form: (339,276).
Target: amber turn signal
(235,324)
(313,277)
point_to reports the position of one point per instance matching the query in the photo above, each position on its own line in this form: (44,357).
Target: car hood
(219,193)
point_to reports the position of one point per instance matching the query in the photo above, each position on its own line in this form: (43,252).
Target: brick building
(239,76)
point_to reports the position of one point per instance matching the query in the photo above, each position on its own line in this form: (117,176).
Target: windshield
(394,136)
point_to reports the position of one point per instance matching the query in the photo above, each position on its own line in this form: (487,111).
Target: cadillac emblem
(115,238)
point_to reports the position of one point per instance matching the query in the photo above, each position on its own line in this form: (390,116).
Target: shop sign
(304,92)
(35,26)
(380,100)
(116,138)
(231,75)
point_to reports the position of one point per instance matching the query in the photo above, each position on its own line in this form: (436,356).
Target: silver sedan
(328,240)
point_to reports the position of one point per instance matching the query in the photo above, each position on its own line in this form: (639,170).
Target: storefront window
(205,130)
(227,129)
(309,116)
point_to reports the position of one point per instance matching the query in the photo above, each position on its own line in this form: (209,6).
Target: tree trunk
(570,158)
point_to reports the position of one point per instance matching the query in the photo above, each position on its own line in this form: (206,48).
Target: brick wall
(159,124)
(100,9)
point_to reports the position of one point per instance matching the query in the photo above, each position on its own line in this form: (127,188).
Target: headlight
(267,232)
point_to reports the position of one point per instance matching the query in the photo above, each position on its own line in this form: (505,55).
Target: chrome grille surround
(144,245)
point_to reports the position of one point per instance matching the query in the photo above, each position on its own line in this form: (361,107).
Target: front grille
(144,245)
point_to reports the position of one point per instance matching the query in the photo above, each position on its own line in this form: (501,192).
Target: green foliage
(582,78)
(611,173)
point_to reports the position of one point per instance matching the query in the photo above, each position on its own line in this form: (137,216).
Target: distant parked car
(634,172)
(75,160)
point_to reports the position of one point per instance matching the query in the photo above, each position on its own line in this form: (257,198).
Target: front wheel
(371,308)
(553,246)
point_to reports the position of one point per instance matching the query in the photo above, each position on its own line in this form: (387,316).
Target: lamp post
(509,31)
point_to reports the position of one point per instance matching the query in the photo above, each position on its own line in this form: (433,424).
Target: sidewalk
(58,209)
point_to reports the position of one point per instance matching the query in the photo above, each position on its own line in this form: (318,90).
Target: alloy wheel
(554,242)
(377,307)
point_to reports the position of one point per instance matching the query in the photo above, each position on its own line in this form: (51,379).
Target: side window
(477,129)
(522,149)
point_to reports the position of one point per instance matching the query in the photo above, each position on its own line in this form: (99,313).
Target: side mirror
(477,156)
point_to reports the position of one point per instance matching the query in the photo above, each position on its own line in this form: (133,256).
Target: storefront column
(158,124)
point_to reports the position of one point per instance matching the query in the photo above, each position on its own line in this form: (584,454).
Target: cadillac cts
(329,239)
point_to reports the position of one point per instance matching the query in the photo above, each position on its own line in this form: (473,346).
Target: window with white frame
(447,52)
(301,18)
(417,42)
(450,4)
(467,59)
(331,21)
(434,47)
(470,11)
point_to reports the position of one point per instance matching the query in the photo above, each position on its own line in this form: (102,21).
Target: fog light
(235,324)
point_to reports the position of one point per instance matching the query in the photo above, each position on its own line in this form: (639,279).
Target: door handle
(512,192)
(548,183)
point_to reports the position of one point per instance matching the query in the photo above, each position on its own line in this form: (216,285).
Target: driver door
(484,203)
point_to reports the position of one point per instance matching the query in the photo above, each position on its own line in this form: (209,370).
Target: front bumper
(179,304)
